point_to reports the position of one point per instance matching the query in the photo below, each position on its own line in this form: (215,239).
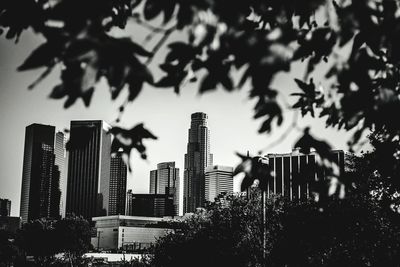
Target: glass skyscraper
(118,175)
(165,180)
(88,169)
(197,159)
(61,163)
(40,191)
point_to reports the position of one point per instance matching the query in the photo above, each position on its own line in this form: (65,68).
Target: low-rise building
(150,205)
(126,232)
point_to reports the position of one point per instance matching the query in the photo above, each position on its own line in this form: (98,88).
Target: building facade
(40,193)
(293,173)
(218,180)
(197,159)
(61,163)
(89,162)
(126,232)
(150,205)
(118,176)
(5,207)
(165,180)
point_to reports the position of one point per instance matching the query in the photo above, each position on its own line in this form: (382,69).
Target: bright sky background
(166,114)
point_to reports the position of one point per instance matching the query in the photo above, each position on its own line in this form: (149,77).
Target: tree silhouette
(351,232)
(259,39)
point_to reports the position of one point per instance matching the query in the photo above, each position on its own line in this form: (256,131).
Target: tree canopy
(256,39)
(355,231)
(43,239)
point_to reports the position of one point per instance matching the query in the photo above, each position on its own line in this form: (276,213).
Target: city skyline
(97,176)
(133,187)
(163,112)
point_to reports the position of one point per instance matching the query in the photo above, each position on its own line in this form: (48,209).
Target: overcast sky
(166,114)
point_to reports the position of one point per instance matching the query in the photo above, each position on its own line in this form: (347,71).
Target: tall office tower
(40,193)
(197,159)
(61,162)
(293,172)
(118,174)
(165,180)
(88,169)
(219,179)
(5,207)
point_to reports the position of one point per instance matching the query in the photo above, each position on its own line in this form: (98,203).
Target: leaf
(167,81)
(307,88)
(209,83)
(246,183)
(138,49)
(152,9)
(182,51)
(42,56)
(307,142)
(78,48)
(135,88)
(130,139)
(58,92)
(168,10)
(87,96)
(226,81)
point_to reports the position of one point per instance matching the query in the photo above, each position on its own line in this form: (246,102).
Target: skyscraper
(5,207)
(165,180)
(40,193)
(118,174)
(61,162)
(197,159)
(88,169)
(218,179)
(292,173)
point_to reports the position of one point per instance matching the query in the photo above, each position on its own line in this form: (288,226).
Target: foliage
(377,171)
(227,233)
(43,239)
(258,39)
(73,235)
(38,239)
(9,252)
(352,232)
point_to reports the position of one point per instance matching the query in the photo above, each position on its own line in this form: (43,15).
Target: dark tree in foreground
(38,239)
(350,232)
(9,251)
(224,234)
(43,239)
(73,234)
(357,40)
